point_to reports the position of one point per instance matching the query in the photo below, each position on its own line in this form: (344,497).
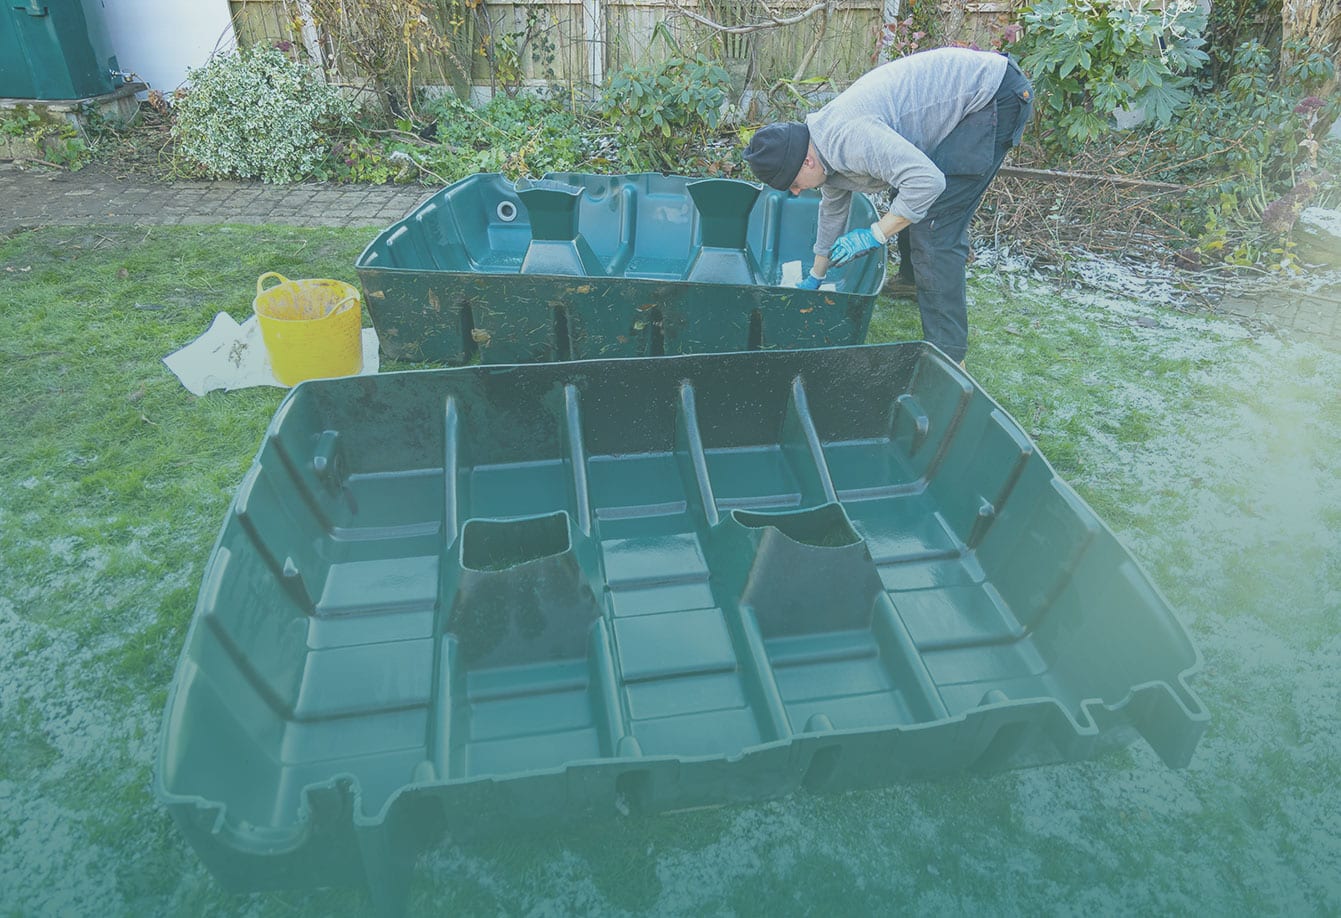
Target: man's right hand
(810,282)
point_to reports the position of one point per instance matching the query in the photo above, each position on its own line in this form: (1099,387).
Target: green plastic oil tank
(579,266)
(497,598)
(55,50)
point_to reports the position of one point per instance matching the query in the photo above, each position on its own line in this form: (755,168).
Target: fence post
(311,41)
(594,24)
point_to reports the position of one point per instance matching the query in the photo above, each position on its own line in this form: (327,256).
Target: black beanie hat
(776,153)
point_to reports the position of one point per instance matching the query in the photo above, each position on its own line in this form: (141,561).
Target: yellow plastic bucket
(312,329)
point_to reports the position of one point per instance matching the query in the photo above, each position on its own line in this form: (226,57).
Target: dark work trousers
(969,156)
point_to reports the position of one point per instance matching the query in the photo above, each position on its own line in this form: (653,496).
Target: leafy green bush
(517,136)
(1089,58)
(1246,146)
(1257,126)
(363,159)
(257,114)
(661,110)
(521,135)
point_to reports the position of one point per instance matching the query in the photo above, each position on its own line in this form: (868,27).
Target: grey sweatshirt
(878,132)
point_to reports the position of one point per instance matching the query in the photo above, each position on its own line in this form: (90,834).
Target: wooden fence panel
(983,22)
(534,41)
(261,22)
(577,43)
(770,55)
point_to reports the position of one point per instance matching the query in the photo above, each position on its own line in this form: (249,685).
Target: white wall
(158,40)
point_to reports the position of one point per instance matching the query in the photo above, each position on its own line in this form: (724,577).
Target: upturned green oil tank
(497,599)
(578,266)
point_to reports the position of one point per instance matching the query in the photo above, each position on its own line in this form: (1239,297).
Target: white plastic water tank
(157,40)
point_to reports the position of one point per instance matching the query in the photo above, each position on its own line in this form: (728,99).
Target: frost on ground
(1323,220)
(49,864)
(1231,498)
(74,758)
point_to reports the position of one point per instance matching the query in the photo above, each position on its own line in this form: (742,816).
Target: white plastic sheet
(232,356)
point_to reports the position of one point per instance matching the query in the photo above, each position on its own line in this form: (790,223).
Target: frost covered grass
(1212,450)
(113,481)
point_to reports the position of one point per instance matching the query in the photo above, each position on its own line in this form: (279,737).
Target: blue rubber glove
(853,244)
(810,282)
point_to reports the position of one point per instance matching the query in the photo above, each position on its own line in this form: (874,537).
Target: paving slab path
(1306,314)
(32,198)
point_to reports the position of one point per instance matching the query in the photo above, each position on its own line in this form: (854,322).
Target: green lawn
(1214,453)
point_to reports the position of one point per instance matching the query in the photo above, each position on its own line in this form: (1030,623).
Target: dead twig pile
(1103,205)
(1064,212)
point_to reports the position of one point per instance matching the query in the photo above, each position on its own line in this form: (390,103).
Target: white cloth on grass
(232,356)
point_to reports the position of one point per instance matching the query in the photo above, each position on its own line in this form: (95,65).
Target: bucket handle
(342,305)
(266,276)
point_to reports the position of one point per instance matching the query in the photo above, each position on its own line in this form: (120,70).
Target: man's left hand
(853,244)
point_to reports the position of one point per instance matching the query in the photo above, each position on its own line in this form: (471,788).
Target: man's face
(811,175)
